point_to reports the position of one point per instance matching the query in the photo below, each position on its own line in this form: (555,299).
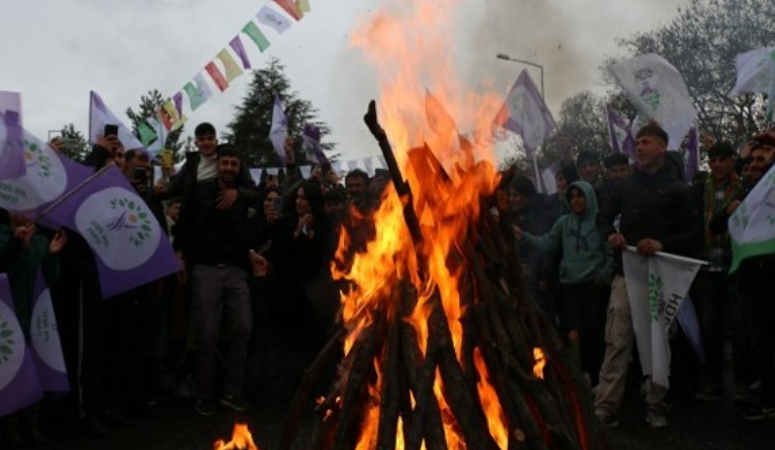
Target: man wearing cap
(712,290)
(657,214)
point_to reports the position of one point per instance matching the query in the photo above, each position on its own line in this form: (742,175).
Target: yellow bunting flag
(233,70)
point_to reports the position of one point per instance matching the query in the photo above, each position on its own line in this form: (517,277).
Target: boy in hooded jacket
(586,269)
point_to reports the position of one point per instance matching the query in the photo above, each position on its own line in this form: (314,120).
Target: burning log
(447,356)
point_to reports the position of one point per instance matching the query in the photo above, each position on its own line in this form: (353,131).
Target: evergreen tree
(75,144)
(150,104)
(249,130)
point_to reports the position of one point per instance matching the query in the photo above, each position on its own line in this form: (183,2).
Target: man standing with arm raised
(657,213)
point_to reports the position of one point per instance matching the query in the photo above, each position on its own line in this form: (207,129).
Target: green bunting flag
(251,29)
(147,134)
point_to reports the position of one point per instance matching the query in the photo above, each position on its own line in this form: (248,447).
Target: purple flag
(525,113)
(12,163)
(620,134)
(129,245)
(239,49)
(44,341)
(693,155)
(311,144)
(48,176)
(100,115)
(279,131)
(19,383)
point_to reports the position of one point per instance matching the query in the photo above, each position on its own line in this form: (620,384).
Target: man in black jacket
(215,242)
(656,213)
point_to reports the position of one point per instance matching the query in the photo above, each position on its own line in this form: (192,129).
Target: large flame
(496,419)
(241,438)
(410,43)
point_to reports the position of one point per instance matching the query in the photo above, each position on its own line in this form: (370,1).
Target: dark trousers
(712,294)
(759,306)
(585,309)
(220,293)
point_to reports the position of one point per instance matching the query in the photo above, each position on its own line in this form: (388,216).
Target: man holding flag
(657,215)
(753,251)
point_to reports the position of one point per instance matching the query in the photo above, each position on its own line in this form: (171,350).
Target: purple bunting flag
(129,245)
(178,100)
(19,383)
(44,342)
(239,49)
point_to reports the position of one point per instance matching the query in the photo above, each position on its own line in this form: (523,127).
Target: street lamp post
(506,57)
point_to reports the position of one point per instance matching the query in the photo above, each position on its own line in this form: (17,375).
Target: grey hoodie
(585,257)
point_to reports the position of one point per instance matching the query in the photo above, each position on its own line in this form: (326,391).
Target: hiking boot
(656,418)
(607,419)
(759,413)
(234,402)
(205,407)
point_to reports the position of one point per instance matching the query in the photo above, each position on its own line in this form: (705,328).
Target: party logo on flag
(11,345)
(113,217)
(45,178)
(44,342)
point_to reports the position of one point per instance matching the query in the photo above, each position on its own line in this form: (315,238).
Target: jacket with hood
(585,257)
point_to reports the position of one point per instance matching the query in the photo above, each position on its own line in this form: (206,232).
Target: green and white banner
(656,287)
(752,226)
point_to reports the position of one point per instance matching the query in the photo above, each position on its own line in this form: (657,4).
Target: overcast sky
(55,51)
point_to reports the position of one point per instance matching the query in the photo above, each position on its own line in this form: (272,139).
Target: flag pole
(72,191)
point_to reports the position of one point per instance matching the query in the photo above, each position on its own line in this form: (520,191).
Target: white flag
(525,113)
(659,92)
(305,171)
(278,134)
(100,115)
(255,174)
(656,287)
(752,226)
(273,19)
(754,71)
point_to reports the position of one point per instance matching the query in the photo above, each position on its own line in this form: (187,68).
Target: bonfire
(443,348)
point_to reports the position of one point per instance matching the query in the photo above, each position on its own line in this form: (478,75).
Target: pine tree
(249,130)
(75,144)
(150,104)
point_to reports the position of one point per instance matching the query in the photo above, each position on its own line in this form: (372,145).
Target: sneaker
(607,419)
(656,418)
(759,413)
(709,394)
(234,402)
(205,407)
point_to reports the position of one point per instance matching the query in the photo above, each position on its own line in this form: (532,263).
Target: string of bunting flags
(368,164)
(275,17)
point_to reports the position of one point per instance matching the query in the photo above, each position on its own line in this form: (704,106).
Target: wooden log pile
(430,397)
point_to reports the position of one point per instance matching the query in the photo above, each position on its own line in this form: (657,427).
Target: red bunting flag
(217,76)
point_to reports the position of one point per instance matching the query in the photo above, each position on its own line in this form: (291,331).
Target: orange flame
(540,359)
(496,419)
(410,42)
(241,438)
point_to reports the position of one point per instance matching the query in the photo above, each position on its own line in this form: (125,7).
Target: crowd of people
(255,299)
